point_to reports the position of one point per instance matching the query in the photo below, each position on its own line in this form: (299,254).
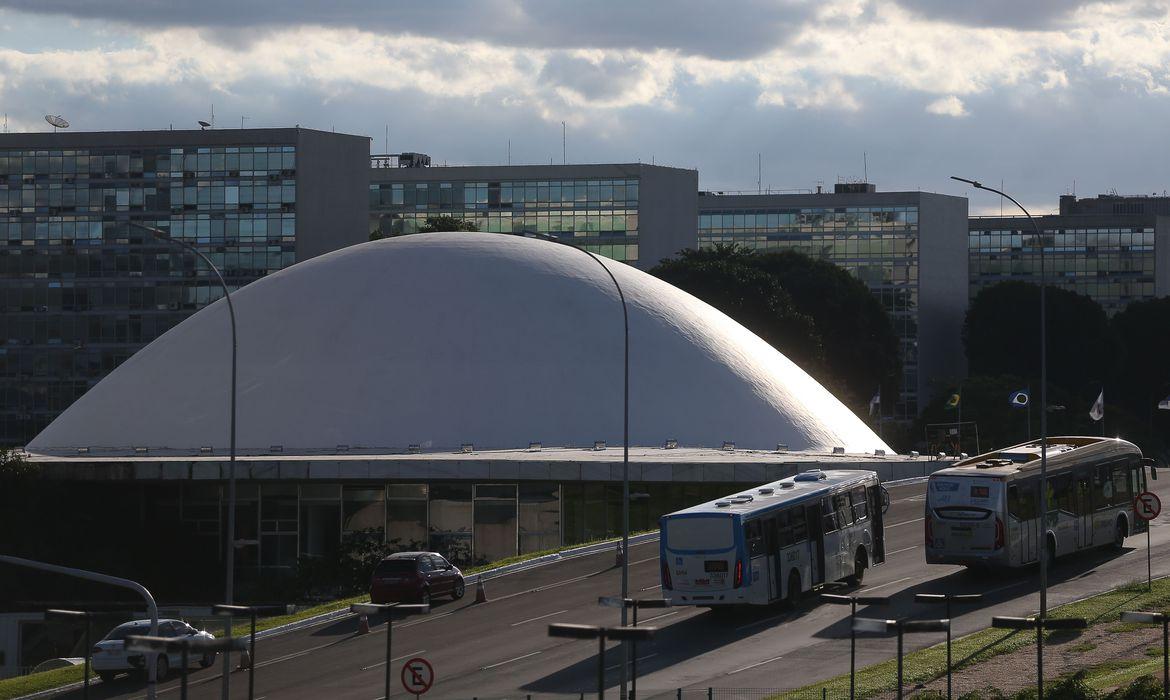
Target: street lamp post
(390,609)
(601,634)
(83,617)
(947,599)
(162,645)
(1042,534)
(1147,618)
(853,601)
(625,431)
(863,624)
(229,551)
(1039,624)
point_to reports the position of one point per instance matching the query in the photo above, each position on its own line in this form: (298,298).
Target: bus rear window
(980,492)
(709,533)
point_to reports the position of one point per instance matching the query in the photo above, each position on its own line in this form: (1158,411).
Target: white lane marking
(640,658)
(398,658)
(761,622)
(874,588)
(1004,588)
(907,522)
(919,497)
(761,663)
(518,658)
(650,588)
(643,561)
(534,619)
(659,617)
(546,587)
(899,551)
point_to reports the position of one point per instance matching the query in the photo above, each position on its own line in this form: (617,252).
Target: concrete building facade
(632,212)
(81,290)
(1115,250)
(907,247)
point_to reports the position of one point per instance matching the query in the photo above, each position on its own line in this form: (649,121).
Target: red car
(410,577)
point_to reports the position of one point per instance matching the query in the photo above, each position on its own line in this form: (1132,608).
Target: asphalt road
(501,649)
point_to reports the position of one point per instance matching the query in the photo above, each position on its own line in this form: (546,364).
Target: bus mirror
(885,500)
(1149,462)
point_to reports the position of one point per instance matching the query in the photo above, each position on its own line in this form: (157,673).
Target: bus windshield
(702,532)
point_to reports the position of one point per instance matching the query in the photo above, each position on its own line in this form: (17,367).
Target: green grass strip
(929,664)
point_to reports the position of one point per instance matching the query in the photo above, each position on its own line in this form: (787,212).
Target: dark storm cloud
(1016,14)
(602,80)
(728,29)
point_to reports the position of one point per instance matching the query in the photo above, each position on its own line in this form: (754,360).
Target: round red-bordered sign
(417,675)
(1147,505)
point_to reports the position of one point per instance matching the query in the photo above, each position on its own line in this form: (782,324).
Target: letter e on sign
(1147,505)
(417,676)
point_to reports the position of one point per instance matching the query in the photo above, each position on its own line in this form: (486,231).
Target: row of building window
(535,194)
(149,163)
(812,218)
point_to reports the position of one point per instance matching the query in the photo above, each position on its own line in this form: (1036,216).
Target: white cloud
(949,106)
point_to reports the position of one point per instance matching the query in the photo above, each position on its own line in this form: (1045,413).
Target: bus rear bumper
(969,559)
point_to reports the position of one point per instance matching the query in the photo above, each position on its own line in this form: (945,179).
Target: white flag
(876,401)
(1097,412)
(1164,403)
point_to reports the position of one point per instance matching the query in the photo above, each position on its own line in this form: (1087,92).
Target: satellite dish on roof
(56,121)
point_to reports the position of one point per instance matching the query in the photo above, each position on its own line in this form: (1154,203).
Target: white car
(111,658)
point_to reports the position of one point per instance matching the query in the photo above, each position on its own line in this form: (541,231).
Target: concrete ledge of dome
(596,472)
(506,470)
(474,469)
(687,472)
(147,470)
(565,471)
(203,470)
(776,472)
(353,469)
(294,470)
(750,472)
(657,472)
(719,472)
(324,470)
(176,470)
(265,470)
(383,469)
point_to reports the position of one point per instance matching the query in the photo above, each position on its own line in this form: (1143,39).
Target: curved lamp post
(1042,540)
(229,551)
(625,428)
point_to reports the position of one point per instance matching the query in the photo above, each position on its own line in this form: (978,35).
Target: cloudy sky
(1043,95)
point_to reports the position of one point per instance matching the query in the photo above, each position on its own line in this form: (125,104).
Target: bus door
(1084,508)
(877,518)
(1024,520)
(816,543)
(1137,484)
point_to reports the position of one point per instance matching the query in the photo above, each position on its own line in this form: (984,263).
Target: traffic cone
(480,591)
(363,624)
(245,658)
(621,555)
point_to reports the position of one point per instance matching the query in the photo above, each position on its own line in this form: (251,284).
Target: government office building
(631,212)
(1113,249)
(81,290)
(907,247)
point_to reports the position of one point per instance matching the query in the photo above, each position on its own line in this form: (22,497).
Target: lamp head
(969,182)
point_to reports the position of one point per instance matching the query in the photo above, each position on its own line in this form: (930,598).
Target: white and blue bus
(775,541)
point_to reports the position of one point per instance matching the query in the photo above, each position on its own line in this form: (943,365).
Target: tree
(1002,336)
(432,224)
(726,279)
(861,346)
(447,223)
(1143,336)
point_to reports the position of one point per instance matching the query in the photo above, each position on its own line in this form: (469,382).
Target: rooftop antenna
(213,116)
(55,119)
(759,172)
(564,139)
(242,118)
(509,151)
(387,142)
(6,122)
(864,166)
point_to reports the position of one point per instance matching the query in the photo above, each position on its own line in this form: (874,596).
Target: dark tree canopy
(447,223)
(820,316)
(1002,335)
(1143,336)
(749,296)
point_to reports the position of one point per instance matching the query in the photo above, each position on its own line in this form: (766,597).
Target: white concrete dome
(450,338)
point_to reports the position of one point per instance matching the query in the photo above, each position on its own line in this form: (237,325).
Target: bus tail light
(666,582)
(738,573)
(999,534)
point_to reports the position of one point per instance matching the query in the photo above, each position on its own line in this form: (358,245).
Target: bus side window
(770,533)
(754,535)
(844,510)
(1121,492)
(1103,487)
(799,525)
(1060,494)
(828,516)
(860,509)
(784,528)
(1136,477)
(1013,502)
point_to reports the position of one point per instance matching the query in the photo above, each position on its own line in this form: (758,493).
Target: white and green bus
(775,541)
(985,510)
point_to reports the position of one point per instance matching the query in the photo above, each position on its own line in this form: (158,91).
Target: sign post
(417,676)
(1147,506)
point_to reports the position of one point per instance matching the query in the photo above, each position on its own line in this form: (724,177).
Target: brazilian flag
(953,402)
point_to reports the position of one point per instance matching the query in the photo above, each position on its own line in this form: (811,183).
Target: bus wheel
(1051,552)
(793,596)
(1119,533)
(859,565)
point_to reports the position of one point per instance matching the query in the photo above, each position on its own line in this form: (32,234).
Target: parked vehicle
(985,510)
(110,657)
(775,541)
(415,577)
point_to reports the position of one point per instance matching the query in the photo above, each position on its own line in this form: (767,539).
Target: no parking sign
(417,676)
